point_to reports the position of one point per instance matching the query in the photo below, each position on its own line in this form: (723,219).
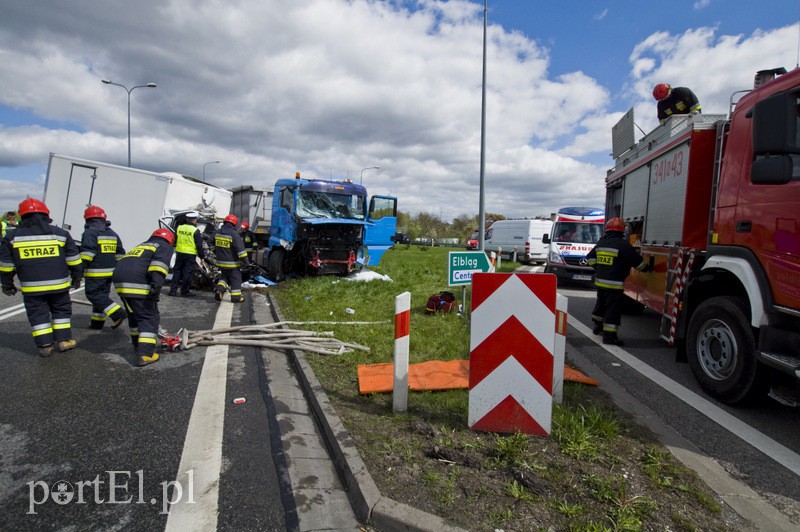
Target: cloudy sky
(330,87)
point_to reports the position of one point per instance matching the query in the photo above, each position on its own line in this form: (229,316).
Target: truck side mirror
(771,170)
(545,238)
(775,121)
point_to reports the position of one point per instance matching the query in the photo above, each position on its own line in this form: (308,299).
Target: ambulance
(575,232)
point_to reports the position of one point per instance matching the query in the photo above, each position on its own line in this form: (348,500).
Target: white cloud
(328,87)
(700,4)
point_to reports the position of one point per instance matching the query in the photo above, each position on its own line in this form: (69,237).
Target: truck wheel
(275,266)
(721,348)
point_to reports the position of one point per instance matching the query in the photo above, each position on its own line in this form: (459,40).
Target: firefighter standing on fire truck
(612,258)
(138,279)
(44,257)
(230,252)
(101,248)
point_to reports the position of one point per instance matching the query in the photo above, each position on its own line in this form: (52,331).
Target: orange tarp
(432,375)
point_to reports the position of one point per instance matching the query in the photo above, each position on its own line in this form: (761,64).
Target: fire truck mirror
(771,170)
(775,125)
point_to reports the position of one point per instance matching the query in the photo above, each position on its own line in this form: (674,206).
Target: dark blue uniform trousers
(49,316)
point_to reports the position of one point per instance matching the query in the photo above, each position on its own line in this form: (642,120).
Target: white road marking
(781,454)
(201,460)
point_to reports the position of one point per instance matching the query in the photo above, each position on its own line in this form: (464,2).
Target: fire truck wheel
(275,267)
(721,351)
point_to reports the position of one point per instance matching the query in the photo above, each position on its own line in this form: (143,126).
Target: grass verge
(597,471)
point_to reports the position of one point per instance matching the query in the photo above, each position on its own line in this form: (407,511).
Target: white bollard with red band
(560,348)
(402,331)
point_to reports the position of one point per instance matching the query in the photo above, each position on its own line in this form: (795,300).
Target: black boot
(598,327)
(611,338)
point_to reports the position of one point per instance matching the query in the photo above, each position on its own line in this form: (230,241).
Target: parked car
(401,238)
(472,241)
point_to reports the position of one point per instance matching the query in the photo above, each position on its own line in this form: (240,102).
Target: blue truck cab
(324,227)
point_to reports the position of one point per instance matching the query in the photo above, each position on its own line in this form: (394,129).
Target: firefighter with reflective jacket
(138,279)
(612,258)
(230,253)
(45,258)
(101,248)
(8,223)
(188,248)
(249,240)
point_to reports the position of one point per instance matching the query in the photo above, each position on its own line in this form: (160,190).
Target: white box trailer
(133,199)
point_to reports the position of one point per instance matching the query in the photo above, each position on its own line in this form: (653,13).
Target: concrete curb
(369,506)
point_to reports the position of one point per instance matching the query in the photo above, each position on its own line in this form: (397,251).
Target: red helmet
(93,211)
(661,91)
(615,224)
(245,226)
(232,219)
(31,205)
(166,234)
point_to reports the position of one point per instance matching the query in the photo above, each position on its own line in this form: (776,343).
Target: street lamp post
(149,86)
(361,179)
(204,168)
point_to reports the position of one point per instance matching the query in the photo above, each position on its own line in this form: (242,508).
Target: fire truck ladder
(677,276)
(722,133)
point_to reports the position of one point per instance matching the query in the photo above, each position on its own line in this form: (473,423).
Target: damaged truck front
(326,227)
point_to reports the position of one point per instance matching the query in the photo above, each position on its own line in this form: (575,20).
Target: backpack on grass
(443,302)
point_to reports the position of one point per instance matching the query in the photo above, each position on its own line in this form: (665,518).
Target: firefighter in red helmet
(612,258)
(138,279)
(674,101)
(231,256)
(48,264)
(101,248)
(248,238)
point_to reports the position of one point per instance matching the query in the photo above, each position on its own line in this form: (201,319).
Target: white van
(523,236)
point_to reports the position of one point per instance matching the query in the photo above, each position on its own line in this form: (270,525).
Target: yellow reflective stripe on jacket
(612,285)
(99,272)
(43,286)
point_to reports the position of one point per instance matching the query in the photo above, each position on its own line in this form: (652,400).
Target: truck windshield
(326,205)
(577,233)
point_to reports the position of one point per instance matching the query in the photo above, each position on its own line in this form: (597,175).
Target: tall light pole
(149,86)
(204,168)
(361,179)
(481,209)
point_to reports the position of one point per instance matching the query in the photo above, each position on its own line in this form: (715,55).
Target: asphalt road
(88,441)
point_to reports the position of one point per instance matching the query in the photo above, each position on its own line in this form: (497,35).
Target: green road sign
(462,264)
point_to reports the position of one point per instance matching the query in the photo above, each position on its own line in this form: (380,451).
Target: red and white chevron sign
(512,342)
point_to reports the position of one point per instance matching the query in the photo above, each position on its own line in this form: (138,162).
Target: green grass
(429,458)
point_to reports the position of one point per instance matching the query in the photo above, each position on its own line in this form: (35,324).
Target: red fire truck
(713,202)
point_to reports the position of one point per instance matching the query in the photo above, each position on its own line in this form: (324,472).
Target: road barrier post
(402,326)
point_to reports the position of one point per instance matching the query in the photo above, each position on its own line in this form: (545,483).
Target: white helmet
(192,214)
